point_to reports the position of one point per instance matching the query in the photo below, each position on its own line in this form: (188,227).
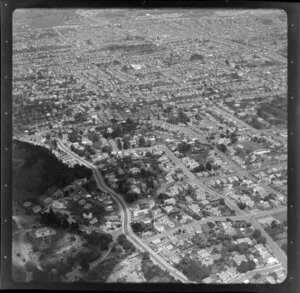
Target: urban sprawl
(176,121)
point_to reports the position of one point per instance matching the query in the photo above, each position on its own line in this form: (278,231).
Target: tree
(84,265)
(150,183)
(182,117)
(54,144)
(184,147)
(197,117)
(132,248)
(119,144)
(117,132)
(222,147)
(196,57)
(64,223)
(95,138)
(208,166)
(74,226)
(107,149)
(252,265)
(126,244)
(257,276)
(232,247)
(114,249)
(262,240)
(199,168)
(241,205)
(210,225)
(129,121)
(137,227)
(215,251)
(243,267)
(274,275)
(233,140)
(142,142)
(87,154)
(80,117)
(274,224)
(126,144)
(121,238)
(145,255)
(50,219)
(102,239)
(255,123)
(242,248)
(193,270)
(256,234)
(73,136)
(162,196)
(130,197)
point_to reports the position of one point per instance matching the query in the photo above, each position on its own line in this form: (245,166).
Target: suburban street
(242,277)
(144,140)
(126,214)
(197,181)
(153,134)
(126,217)
(247,217)
(244,173)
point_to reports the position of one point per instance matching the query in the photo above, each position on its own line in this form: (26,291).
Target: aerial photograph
(149,146)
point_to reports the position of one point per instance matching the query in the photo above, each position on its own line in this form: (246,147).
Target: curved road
(126,216)
(126,219)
